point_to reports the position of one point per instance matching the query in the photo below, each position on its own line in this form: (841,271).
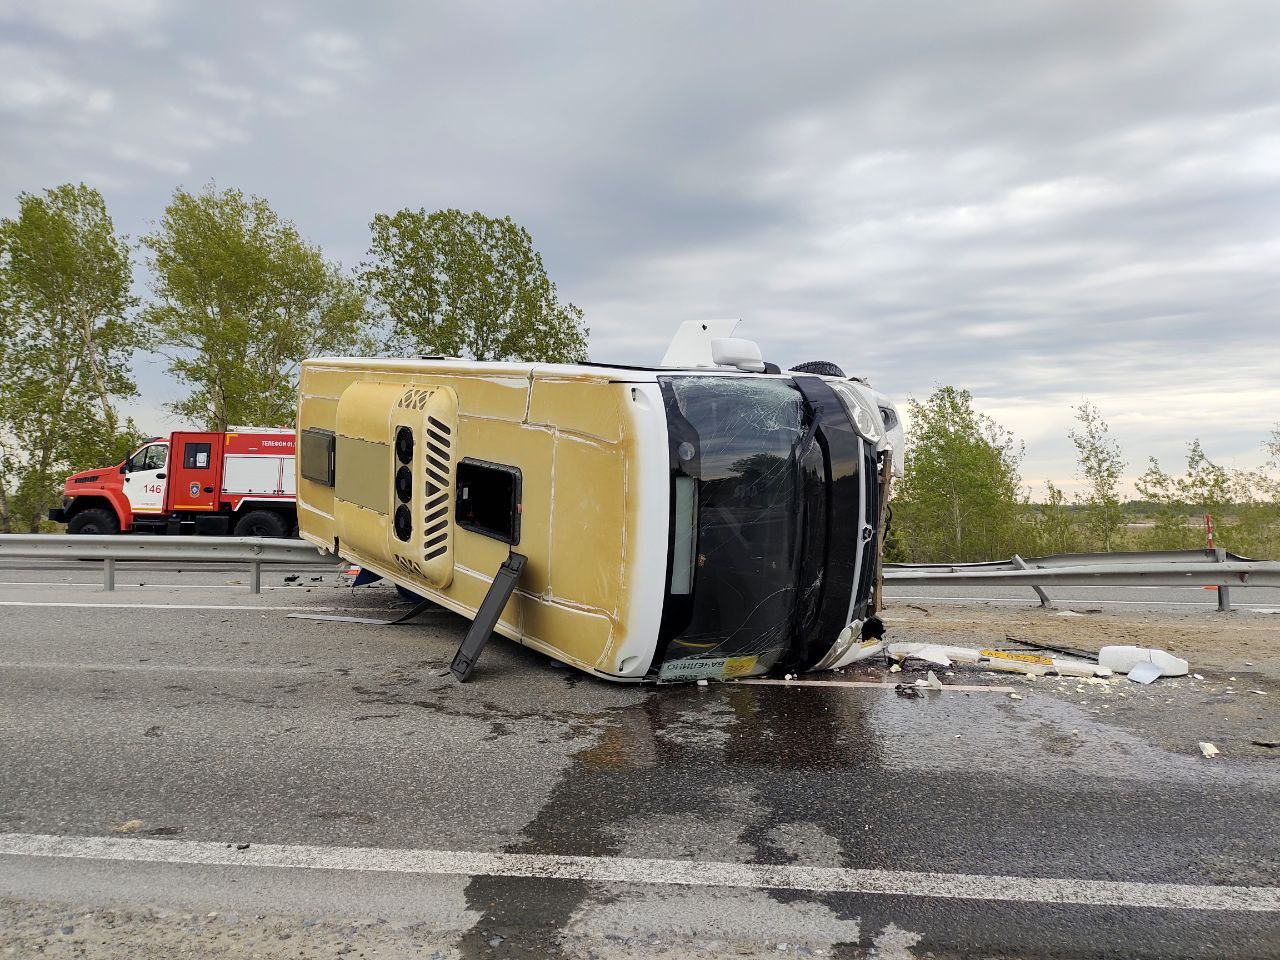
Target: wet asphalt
(244,726)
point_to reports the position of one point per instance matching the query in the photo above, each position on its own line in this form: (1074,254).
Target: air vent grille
(437,458)
(415,399)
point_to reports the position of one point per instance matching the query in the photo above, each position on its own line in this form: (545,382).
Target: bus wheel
(261,523)
(94,521)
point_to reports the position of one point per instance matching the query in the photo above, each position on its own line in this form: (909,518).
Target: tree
(65,346)
(1100,464)
(960,497)
(1183,501)
(240,301)
(467,285)
(1056,529)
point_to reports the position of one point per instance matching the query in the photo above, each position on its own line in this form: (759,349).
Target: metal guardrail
(1177,568)
(109,549)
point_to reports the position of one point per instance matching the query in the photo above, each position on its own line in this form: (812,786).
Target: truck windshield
(741,466)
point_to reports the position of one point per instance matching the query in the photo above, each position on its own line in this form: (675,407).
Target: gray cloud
(1040,202)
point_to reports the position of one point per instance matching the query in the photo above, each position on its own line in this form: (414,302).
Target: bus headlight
(865,417)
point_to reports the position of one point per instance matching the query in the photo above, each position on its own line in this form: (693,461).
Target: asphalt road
(148,736)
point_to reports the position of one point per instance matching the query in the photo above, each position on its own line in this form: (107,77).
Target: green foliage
(65,344)
(240,301)
(959,498)
(1245,505)
(1101,466)
(467,285)
(1055,527)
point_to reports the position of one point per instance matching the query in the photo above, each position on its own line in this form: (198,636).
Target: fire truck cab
(236,483)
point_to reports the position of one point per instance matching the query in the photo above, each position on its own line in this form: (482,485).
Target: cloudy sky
(1040,202)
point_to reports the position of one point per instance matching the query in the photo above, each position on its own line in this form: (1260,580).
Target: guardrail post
(109,574)
(1224,592)
(1022,565)
(255,576)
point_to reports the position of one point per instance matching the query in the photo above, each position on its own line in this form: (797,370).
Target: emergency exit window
(195,456)
(489,499)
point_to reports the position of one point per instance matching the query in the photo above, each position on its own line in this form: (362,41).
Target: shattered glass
(751,442)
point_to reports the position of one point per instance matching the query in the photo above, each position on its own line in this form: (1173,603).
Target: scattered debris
(291,578)
(702,682)
(1198,676)
(931,682)
(1144,672)
(1122,659)
(1261,693)
(129,826)
(1068,613)
(1015,696)
(941,654)
(1208,749)
(1265,743)
(906,690)
(895,668)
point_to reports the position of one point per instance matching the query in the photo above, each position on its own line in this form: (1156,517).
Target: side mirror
(124,468)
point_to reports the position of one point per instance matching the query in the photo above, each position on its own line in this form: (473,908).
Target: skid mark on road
(962,886)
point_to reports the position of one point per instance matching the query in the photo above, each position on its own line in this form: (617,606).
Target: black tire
(94,520)
(261,523)
(408,596)
(820,367)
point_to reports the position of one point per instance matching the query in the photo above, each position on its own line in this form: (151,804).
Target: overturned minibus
(713,517)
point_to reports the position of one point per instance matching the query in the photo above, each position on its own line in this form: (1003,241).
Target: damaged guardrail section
(1180,568)
(252,550)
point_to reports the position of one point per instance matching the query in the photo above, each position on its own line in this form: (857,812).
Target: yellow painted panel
(364,410)
(531,451)
(582,637)
(360,529)
(363,472)
(501,395)
(588,524)
(580,406)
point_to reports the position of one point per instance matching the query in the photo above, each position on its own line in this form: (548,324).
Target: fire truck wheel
(94,521)
(261,523)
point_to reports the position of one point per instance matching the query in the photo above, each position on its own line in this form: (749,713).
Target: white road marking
(956,886)
(146,667)
(880,684)
(152,606)
(120,585)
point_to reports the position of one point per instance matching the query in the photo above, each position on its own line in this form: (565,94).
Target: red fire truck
(236,483)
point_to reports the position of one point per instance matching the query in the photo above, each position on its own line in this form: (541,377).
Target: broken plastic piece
(1015,696)
(1208,749)
(941,654)
(931,681)
(1122,659)
(1144,672)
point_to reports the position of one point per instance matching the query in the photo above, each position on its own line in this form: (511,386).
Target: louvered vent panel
(437,468)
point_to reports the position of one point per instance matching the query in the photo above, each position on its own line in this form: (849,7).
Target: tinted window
(739,439)
(489,499)
(316,456)
(195,456)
